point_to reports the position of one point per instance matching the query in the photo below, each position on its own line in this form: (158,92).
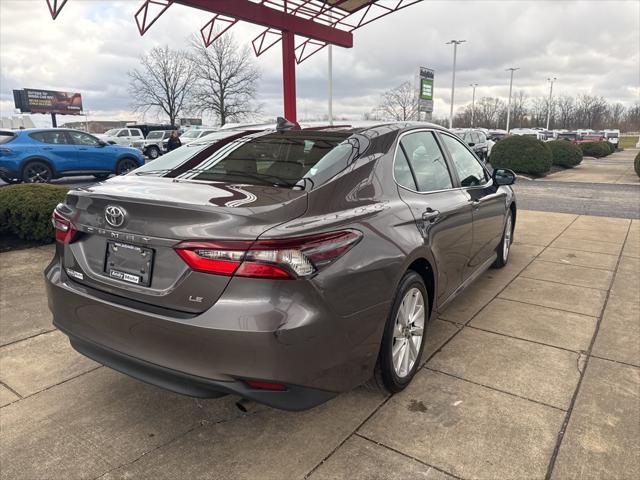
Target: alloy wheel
(125,166)
(508,232)
(407,332)
(37,173)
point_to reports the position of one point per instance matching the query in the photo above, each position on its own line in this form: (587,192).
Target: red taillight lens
(64,229)
(297,257)
(260,385)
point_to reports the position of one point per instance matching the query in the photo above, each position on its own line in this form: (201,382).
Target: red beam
(270,17)
(289,76)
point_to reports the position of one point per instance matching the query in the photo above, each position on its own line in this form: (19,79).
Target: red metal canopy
(318,23)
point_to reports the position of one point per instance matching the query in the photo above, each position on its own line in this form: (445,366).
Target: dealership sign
(425,93)
(31,100)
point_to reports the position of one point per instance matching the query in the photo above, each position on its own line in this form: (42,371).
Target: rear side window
(6,137)
(123,133)
(426,161)
(51,136)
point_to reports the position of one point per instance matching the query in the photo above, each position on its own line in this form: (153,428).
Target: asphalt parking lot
(534,372)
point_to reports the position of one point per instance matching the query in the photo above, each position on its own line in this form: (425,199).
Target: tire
(37,171)
(504,247)
(101,176)
(153,153)
(391,373)
(125,165)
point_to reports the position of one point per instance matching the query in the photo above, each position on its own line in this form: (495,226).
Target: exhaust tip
(246,406)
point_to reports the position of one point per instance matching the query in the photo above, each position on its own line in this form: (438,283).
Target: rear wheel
(505,245)
(403,338)
(37,171)
(125,166)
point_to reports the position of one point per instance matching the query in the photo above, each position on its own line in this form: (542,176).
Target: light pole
(550,80)
(510,89)
(455,44)
(473,102)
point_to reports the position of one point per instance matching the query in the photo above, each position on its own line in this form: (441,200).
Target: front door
(488,202)
(442,212)
(93,155)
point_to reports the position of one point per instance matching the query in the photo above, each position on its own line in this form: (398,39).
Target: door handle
(430,215)
(47,148)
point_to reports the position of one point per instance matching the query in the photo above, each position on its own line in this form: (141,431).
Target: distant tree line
(582,111)
(220,80)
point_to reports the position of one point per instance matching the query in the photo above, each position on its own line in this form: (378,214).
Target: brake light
(64,229)
(297,257)
(261,385)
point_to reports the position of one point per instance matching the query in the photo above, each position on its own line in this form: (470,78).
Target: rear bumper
(247,334)
(293,398)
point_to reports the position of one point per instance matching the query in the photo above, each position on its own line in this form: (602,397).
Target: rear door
(56,147)
(441,211)
(488,202)
(92,154)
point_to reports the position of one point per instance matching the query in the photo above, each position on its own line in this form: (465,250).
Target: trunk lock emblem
(115,216)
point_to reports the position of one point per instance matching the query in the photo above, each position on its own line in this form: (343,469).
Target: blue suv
(40,155)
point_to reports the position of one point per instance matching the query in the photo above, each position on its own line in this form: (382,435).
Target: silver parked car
(284,266)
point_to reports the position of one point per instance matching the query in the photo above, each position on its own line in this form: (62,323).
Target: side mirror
(504,176)
(471,144)
(102,144)
(111,142)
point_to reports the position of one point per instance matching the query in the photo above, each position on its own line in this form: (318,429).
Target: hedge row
(25,210)
(565,154)
(597,149)
(522,154)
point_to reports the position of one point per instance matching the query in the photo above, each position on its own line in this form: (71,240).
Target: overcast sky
(591,46)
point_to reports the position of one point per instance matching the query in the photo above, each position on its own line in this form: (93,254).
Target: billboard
(425,92)
(30,100)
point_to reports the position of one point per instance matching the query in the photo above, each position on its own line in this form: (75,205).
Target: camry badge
(115,216)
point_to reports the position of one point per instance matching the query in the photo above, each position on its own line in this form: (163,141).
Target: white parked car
(155,144)
(122,136)
(194,134)
(612,136)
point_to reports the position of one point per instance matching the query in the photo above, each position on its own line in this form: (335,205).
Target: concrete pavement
(616,168)
(534,372)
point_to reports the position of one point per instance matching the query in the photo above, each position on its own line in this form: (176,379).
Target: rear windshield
(6,137)
(281,159)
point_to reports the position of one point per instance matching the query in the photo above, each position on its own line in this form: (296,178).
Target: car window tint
(80,138)
(402,171)
(470,172)
(6,137)
(123,133)
(428,163)
(51,136)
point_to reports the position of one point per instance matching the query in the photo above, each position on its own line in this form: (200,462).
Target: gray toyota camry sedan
(284,265)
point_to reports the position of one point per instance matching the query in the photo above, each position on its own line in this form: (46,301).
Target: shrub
(521,154)
(636,164)
(25,210)
(595,149)
(565,154)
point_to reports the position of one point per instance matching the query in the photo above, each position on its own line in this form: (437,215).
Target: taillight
(297,257)
(64,229)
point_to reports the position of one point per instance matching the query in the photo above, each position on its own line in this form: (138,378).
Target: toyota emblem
(115,216)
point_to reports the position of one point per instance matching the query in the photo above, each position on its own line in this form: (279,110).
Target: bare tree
(226,79)
(616,114)
(566,110)
(489,112)
(163,82)
(399,103)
